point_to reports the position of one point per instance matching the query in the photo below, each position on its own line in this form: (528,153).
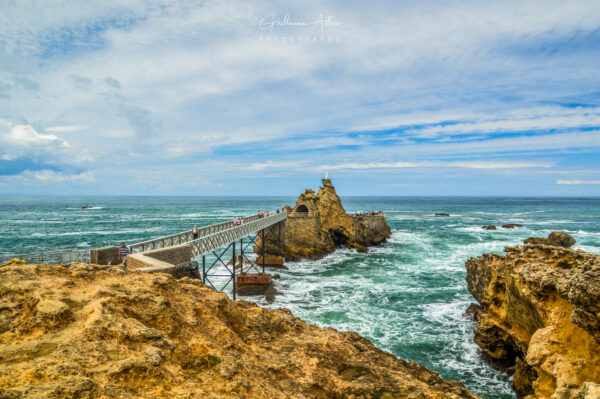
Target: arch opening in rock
(301,209)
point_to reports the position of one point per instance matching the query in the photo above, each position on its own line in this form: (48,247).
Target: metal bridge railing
(304,214)
(184,236)
(53,257)
(207,244)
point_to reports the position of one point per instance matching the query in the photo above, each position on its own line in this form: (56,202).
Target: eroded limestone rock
(541,313)
(114,334)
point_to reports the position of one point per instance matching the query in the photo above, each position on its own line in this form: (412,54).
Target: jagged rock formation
(89,331)
(540,311)
(318,223)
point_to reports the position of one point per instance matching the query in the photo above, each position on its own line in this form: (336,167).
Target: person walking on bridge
(195,232)
(122,253)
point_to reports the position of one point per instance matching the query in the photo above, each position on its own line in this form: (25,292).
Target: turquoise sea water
(407,296)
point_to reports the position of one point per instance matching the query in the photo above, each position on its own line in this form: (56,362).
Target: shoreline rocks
(504,226)
(90,331)
(539,313)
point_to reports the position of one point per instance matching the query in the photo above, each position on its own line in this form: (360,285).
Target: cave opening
(301,209)
(339,238)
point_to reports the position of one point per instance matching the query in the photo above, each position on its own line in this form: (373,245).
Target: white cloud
(118,133)
(427,164)
(52,176)
(578,182)
(553,118)
(65,128)
(276,165)
(24,141)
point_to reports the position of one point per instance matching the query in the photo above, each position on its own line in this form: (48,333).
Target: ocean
(408,296)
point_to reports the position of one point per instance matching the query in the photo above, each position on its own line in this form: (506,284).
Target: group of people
(262,215)
(369,213)
(237,222)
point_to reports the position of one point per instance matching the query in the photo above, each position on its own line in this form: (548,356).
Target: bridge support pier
(262,249)
(233,270)
(259,278)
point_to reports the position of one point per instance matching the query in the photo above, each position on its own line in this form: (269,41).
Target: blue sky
(261,98)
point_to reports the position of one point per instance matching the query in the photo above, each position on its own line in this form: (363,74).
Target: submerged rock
(441,214)
(511,225)
(540,313)
(116,334)
(489,227)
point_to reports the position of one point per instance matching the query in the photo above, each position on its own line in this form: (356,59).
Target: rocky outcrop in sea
(91,331)
(318,224)
(540,316)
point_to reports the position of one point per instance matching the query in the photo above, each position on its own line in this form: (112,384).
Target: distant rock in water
(93,331)
(511,225)
(86,207)
(540,313)
(441,214)
(318,224)
(556,238)
(489,227)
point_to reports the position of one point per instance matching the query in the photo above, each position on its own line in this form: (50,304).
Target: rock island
(318,224)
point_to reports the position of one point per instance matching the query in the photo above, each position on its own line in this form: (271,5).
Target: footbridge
(211,238)
(218,240)
(212,245)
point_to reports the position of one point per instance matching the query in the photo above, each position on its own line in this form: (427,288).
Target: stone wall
(172,260)
(104,256)
(143,263)
(175,255)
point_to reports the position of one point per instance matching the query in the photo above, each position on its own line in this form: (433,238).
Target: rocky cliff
(88,331)
(540,312)
(318,223)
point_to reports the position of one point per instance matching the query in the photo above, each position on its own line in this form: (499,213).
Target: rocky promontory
(318,224)
(540,314)
(90,331)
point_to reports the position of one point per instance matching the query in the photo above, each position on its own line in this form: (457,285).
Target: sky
(260,97)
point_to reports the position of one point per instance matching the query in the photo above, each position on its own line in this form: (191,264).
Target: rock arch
(301,208)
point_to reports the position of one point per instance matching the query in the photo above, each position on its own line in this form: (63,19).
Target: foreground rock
(556,238)
(540,312)
(101,332)
(318,224)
